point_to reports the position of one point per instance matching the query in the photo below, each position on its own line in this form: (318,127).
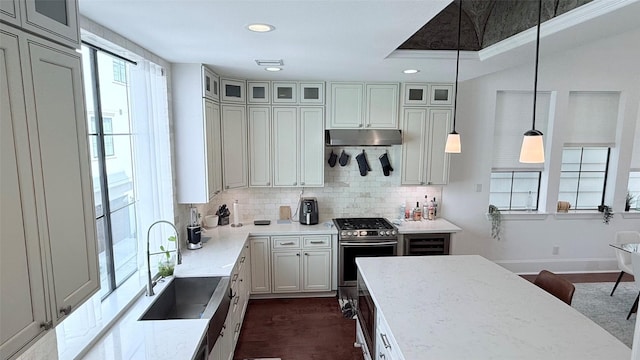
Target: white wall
(526,246)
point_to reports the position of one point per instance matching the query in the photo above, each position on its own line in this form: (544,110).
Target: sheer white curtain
(154,186)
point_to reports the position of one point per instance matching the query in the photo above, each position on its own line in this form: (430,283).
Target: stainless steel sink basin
(190,298)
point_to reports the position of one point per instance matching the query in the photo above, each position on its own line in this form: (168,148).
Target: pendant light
(532,150)
(453,139)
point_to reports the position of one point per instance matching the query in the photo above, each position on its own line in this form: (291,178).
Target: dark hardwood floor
(314,329)
(297,329)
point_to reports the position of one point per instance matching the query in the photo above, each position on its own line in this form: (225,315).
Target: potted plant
(629,199)
(167,264)
(607,213)
(496,221)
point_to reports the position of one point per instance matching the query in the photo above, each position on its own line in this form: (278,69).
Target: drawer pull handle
(47,325)
(288,243)
(237,327)
(235,277)
(382,356)
(297,254)
(317,241)
(66,310)
(385,341)
(235,302)
(242,260)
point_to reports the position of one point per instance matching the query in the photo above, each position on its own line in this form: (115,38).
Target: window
(130,160)
(515,190)
(634,189)
(119,71)
(583,176)
(107,128)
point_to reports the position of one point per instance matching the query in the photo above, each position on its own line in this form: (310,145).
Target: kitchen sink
(190,298)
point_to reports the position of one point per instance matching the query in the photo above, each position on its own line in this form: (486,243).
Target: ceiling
(337,39)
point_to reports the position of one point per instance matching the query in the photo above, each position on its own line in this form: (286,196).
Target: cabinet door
(381,110)
(345,105)
(64,175)
(258,92)
(285,146)
(316,268)
(286,271)
(311,93)
(10,11)
(440,94)
(311,146)
(415,94)
(55,20)
(210,84)
(214,150)
(285,93)
(216,157)
(259,146)
(260,265)
(232,90)
(234,146)
(23,308)
(438,160)
(413,146)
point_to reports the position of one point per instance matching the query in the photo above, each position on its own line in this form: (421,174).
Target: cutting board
(285,213)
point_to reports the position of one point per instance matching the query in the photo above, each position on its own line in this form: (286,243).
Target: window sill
(521,215)
(86,325)
(633,214)
(579,215)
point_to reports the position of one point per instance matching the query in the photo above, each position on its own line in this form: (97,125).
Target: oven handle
(368,243)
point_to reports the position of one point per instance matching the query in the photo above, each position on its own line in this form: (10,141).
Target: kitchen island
(467,307)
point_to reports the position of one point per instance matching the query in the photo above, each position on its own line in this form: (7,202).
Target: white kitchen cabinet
(210,84)
(232,90)
(381,106)
(363,105)
(234,146)
(198,140)
(259,146)
(47,197)
(311,93)
(285,92)
(301,264)
(285,146)
(260,265)
(10,11)
(386,346)
(361,342)
(415,94)
(345,105)
(440,94)
(54,20)
(424,161)
(258,92)
(298,142)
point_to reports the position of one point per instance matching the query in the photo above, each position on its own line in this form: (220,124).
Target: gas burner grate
(363,224)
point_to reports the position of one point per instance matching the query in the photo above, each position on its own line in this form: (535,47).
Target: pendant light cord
(535,80)
(455,103)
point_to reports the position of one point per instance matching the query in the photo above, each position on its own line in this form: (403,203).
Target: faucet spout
(177,251)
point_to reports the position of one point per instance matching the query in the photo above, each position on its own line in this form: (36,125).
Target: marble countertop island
(467,307)
(438,225)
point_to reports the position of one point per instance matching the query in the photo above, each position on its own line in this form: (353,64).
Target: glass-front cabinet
(258,92)
(53,19)
(415,94)
(285,92)
(440,94)
(210,84)
(311,93)
(233,90)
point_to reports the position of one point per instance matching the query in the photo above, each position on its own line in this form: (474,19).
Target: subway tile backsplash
(345,193)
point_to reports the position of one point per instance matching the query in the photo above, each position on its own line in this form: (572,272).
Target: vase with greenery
(607,213)
(167,264)
(629,199)
(496,221)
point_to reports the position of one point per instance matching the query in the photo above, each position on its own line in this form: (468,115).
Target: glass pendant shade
(532,150)
(453,143)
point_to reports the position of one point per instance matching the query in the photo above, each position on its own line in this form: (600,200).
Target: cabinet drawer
(322,241)
(285,242)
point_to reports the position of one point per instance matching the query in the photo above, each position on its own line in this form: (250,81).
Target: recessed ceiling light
(261,27)
(270,62)
(411,71)
(273,68)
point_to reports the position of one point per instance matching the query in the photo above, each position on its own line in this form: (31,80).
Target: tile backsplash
(345,193)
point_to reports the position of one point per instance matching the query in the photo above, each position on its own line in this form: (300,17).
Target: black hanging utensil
(344,158)
(386,165)
(332,159)
(363,165)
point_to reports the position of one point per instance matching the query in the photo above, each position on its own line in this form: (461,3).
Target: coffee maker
(194,231)
(308,211)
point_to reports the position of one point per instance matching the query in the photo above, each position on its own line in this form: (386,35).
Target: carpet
(610,312)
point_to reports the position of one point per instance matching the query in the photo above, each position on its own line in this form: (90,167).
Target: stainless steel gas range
(362,237)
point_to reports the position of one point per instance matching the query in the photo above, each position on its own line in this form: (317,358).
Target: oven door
(349,251)
(366,314)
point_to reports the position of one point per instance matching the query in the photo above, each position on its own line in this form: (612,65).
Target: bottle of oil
(417,212)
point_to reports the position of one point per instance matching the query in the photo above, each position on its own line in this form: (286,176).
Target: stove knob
(393,232)
(343,233)
(387,233)
(348,233)
(363,233)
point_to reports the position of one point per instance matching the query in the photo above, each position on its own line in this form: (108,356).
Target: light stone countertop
(467,307)
(438,225)
(129,338)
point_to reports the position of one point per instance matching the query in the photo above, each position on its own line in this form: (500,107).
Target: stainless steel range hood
(344,137)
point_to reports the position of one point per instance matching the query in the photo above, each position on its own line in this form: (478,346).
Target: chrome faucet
(177,251)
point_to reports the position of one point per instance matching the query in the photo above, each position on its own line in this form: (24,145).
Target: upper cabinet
(210,84)
(198,146)
(441,94)
(422,94)
(55,20)
(234,146)
(363,105)
(233,91)
(311,93)
(258,92)
(285,92)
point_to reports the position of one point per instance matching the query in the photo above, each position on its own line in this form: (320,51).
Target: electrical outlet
(556,250)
